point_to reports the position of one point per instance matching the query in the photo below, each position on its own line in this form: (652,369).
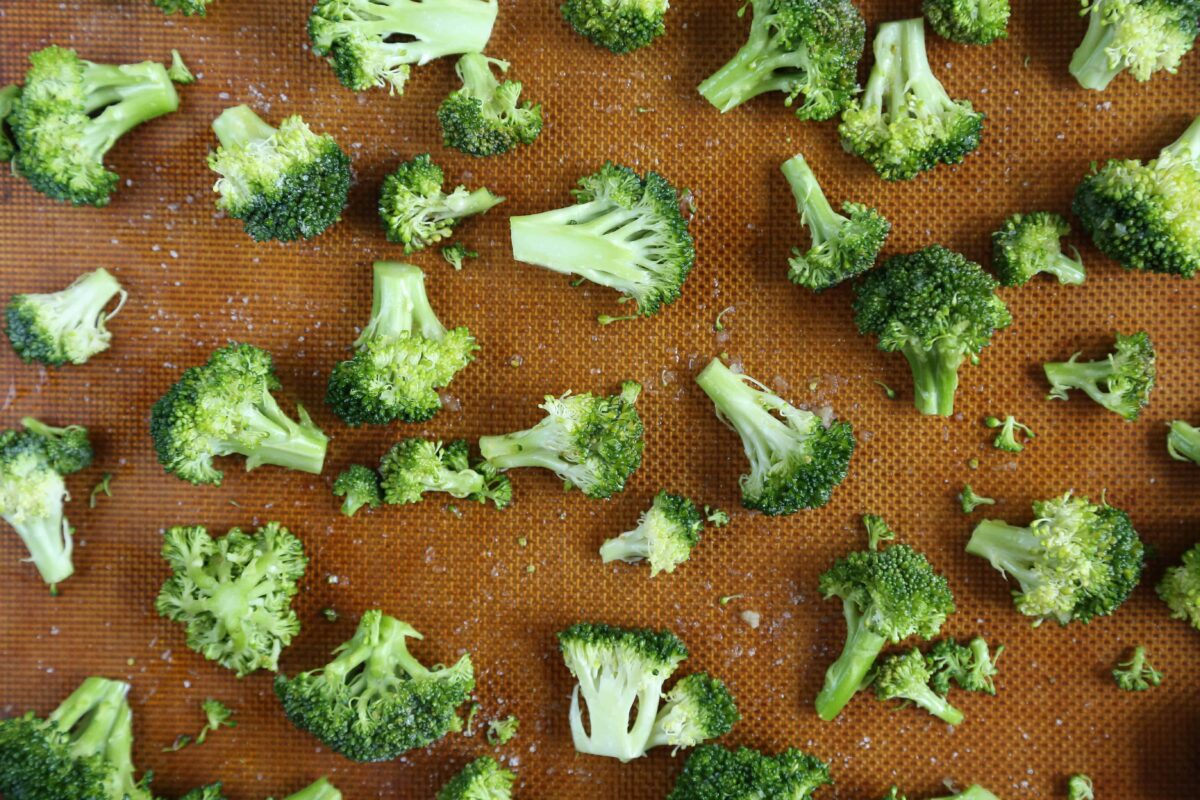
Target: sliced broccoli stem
(740,405)
(129,95)
(1083,375)
(300,446)
(458,483)
(1185,149)
(49,542)
(753,69)
(609,703)
(934,703)
(475,71)
(846,675)
(587,239)
(1183,442)
(90,714)
(1091,64)
(918,79)
(239,125)
(935,376)
(457,207)
(814,208)
(400,305)
(321,790)
(535,447)
(1007,548)
(627,547)
(1068,270)
(437,29)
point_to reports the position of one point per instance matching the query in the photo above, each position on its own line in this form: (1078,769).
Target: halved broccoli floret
(416,212)
(188,8)
(713,772)
(593,443)
(972,666)
(842,246)
(374,42)
(697,708)
(1075,561)
(283,183)
(1141,36)
(808,48)
(664,536)
(234,593)
(620,26)
(1121,383)
(8,101)
(374,700)
(403,356)
(67,326)
(1180,588)
(1027,244)
(485,117)
(413,467)
(968,21)
(70,114)
(905,123)
(1136,674)
(938,309)
(360,486)
(1183,442)
(624,232)
(906,676)
(482,779)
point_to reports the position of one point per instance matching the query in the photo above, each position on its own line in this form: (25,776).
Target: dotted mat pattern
(196,281)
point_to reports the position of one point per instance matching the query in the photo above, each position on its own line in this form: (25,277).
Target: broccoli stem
(916,77)
(1091,64)
(82,303)
(48,540)
(90,714)
(934,703)
(300,446)
(475,71)
(576,241)
(1083,375)
(239,125)
(1183,442)
(814,208)
(321,790)
(535,447)
(436,29)
(741,406)
(400,305)
(754,69)
(935,376)
(457,483)
(1068,270)
(847,675)
(609,703)
(1185,149)
(1006,547)
(628,547)
(129,94)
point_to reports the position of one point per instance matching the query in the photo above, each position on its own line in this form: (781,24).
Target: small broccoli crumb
(970,501)
(1010,430)
(716,517)
(469,725)
(973,463)
(718,325)
(501,731)
(178,71)
(1080,787)
(1136,674)
(888,391)
(456,254)
(330,615)
(217,715)
(101,488)
(727,599)
(877,530)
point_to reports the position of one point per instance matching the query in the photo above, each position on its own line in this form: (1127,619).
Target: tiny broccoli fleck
(1080,787)
(456,254)
(1136,674)
(501,731)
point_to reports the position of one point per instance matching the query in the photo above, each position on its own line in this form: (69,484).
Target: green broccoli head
(234,593)
(188,8)
(70,114)
(1136,674)
(697,708)
(620,26)
(972,666)
(1075,561)
(374,700)
(482,779)
(283,183)
(226,407)
(938,309)
(1121,383)
(1141,36)
(360,486)
(808,48)
(414,466)
(905,676)
(1180,588)
(1027,244)
(664,536)
(1183,442)
(9,95)
(905,123)
(593,443)
(417,213)
(796,458)
(713,772)
(968,21)
(485,117)
(64,327)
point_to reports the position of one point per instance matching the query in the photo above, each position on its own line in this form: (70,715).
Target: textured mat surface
(196,280)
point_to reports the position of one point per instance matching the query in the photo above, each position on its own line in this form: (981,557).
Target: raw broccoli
(664,536)
(415,466)
(501,731)
(482,779)
(1136,674)
(1121,383)
(714,773)
(374,700)
(624,232)
(972,792)
(82,751)
(283,183)
(1079,787)
(70,114)
(906,676)
(905,123)
(1027,244)
(1183,442)
(1007,438)
(217,715)
(9,95)
(321,790)
(403,356)
(485,117)
(226,407)
(808,48)
(972,666)
(938,309)
(878,531)
(1141,36)
(1075,561)
(234,593)
(33,463)
(456,254)
(796,458)
(968,21)
(178,71)
(697,708)
(417,213)
(1180,588)
(188,8)
(1147,216)
(842,246)
(593,443)
(67,326)
(971,501)
(374,42)
(360,486)
(620,26)
(887,596)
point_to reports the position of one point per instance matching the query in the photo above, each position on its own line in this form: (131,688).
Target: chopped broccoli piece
(620,26)
(713,772)
(624,232)
(664,536)
(178,71)
(104,487)
(234,593)
(1075,561)
(716,517)
(938,309)
(1027,244)
(1141,36)
(485,117)
(189,8)
(905,123)
(360,486)
(697,708)
(415,466)
(374,700)
(808,48)
(968,21)
(972,666)
(878,530)
(971,501)
(403,356)
(1121,383)
(283,183)
(64,327)
(214,791)
(321,790)
(972,792)
(217,715)
(456,254)
(1180,588)
(501,731)
(1007,438)
(1183,442)
(593,443)
(1079,787)
(9,95)
(842,246)
(482,779)
(1136,674)
(906,677)
(417,213)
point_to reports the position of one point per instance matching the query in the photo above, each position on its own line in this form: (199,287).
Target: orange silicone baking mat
(464,580)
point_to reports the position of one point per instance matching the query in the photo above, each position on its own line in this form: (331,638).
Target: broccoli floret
(70,114)
(403,356)
(1180,588)
(456,254)
(188,8)
(179,71)
(217,715)
(842,246)
(1079,787)
(1136,674)
(283,183)
(374,42)
(482,779)
(593,443)
(374,700)
(620,26)
(214,791)
(33,463)
(664,536)
(234,593)
(1075,561)
(415,466)
(8,101)
(972,666)
(226,407)
(714,773)
(1141,36)
(67,326)
(938,309)
(970,501)
(1027,244)
(808,48)
(878,531)
(321,790)
(906,677)
(1121,383)
(417,213)
(624,232)
(485,117)
(360,486)
(1183,442)
(1147,216)
(501,731)
(697,708)
(905,123)
(968,21)
(972,792)
(1007,438)
(887,596)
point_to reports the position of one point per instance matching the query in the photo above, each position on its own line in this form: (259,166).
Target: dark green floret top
(714,772)
(486,117)
(414,467)
(620,26)
(1027,244)
(1122,382)
(416,212)
(968,21)
(1139,36)
(482,779)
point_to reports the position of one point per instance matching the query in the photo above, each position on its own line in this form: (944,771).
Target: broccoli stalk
(697,708)
(321,790)
(906,677)
(485,117)
(1180,588)
(68,326)
(1183,442)
(1142,36)
(482,779)
(1027,244)
(665,535)
(713,772)
(1121,383)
